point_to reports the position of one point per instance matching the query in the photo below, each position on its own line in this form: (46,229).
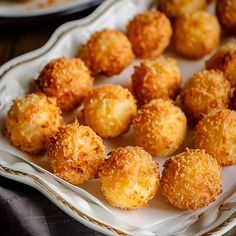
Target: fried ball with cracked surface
(191,180)
(107,52)
(129,178)
(196,34)
(226,13)
(178,8)
(76,153)
(149,33)
(160,127)
(31,121)
(205,91)
(225,60)
(216,133)
(66,79)
(155,79)
(109,110)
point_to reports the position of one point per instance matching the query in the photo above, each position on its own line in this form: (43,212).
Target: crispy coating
(107,52)
(178,8)
(225,60)
(129,178)
(196,34)
(76,153)
(191,180)
(226,13)
(216,133)
(234,100)
(155,79)
(109,110)
(31,121)
(150,33)
(66,79)
(160,127)
(205,91)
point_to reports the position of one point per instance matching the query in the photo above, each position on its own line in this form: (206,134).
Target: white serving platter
(35,8)
(85,203)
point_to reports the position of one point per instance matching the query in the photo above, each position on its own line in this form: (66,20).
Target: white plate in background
(35,8)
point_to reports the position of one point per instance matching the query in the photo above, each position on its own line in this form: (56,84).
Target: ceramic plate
(86,203)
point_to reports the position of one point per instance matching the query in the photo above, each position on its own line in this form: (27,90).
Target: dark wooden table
(14,42)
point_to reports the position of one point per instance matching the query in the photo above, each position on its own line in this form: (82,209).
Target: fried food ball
(191,180)
(76,153)
(150,33)
(109,110)
(205,91)
(225,60)
(216,133)
(226,13)
(31,121)
(155,79)
(129,178)
(160,127)
(196,34)
(178,8)
(66,79)
(107,52)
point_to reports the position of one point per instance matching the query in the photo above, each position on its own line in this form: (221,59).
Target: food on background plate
(216,133)
(160,127)
(205,91)
(225,60)
(107,52)
(191,180)
(196,34)
(129,178)
(149,33)
(178,8)
(109,110)
(31,121)
(68,80)
(76,153)
(226,13)
(155,79)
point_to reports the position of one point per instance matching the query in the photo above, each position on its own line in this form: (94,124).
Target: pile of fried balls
(129,176)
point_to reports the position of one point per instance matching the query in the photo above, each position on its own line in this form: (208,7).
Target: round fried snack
(155,79)
(31,121)
(76,153)
(225,60)
(226,13)
(150,33)
(216,133)
(129,178)
(107,52)
(205,91)
(109,110)
(160,127)
(196,34)
(178,8)
(66,79)
(191,180)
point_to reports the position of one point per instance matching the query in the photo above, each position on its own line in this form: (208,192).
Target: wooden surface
(15,44)
(12,45)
